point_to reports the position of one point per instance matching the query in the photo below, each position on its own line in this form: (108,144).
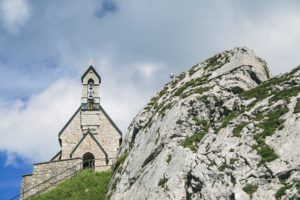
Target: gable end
(93,69)
(99,145)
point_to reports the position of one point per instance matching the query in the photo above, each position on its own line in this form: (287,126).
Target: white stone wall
(108,136)
(56,171)
(71,136)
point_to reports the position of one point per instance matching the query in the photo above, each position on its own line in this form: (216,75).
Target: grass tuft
(250,189)
(237,130)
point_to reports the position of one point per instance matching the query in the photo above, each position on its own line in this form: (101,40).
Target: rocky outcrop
(222,130)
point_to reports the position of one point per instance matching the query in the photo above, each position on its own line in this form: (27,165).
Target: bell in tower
(91,80)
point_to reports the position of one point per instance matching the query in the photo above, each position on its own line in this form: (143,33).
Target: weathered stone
(201,137)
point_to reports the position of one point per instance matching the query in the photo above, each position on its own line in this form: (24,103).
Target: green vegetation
(281,191)
(297,108)
(231,150)
(193,82)
(237,130)
(269,126)
(286,93)
(85,185)
(162,182)
(225,121)
(223,167)
(250,189)
(179,78)
(233,160)
(162,111)
(263,91)
(192,141)
(169,158)
(266,152)
(193,70)
(214,63)
(120,160)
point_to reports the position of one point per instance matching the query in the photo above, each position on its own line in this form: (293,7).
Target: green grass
(269,126)
(250,189)
(86,185)
(228,118)
(297,108)
(237,130)
(193,82)
(281,191)
(193,141)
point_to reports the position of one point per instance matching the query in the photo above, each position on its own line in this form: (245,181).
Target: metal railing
(51,182)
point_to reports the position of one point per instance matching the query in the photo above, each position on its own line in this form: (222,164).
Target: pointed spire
(91,62)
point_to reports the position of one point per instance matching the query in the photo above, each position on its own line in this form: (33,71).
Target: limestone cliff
(222,130)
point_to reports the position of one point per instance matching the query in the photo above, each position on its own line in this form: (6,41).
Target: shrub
(250,189)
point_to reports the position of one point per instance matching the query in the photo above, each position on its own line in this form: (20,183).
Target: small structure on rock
(90,139)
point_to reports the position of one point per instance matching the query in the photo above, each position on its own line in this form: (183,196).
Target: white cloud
(14,13)
(29,129)
(135,48)
(147,70)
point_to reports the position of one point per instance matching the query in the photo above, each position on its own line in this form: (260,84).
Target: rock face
(222,130)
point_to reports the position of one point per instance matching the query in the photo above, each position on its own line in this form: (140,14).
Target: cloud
(29,129)
(14,14)
(107,6)
(136,45)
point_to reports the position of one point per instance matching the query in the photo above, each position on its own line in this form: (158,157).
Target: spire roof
(93,69)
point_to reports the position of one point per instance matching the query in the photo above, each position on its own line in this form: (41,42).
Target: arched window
(88,161)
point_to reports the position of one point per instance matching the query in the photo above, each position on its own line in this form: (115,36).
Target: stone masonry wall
(108,136)
(71,136)
(44,171)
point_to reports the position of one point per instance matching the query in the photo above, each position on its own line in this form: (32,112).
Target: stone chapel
(90,139)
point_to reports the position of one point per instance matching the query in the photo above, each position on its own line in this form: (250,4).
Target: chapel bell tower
(91,80)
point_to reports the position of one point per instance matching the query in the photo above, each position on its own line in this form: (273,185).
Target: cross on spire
(91,62)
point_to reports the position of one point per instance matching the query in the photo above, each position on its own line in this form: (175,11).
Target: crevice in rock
(254,77)
(283,176)
(153,154)
(193,183)
(232,196)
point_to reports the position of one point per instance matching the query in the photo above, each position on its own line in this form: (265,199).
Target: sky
(45,47)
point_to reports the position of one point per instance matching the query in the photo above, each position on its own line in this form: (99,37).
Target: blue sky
(46,45)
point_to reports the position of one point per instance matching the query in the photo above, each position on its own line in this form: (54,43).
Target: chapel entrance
(88,161)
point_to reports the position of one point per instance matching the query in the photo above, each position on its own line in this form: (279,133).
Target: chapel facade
(90,139)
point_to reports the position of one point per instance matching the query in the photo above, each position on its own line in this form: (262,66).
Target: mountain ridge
(212,133)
